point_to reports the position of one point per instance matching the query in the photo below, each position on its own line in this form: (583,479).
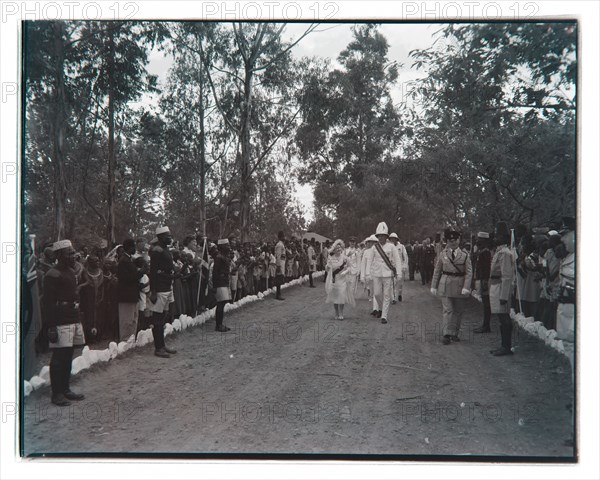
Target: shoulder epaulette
(157,249)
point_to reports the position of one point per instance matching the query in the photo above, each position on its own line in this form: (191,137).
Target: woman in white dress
(338,266)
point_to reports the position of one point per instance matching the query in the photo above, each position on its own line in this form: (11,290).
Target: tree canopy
(488,134)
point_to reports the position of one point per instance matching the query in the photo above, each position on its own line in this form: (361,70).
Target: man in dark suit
(427,258)
(411,261)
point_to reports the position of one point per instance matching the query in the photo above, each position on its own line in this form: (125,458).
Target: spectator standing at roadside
(221,282)
(129,292)
(280,259)
(312,261)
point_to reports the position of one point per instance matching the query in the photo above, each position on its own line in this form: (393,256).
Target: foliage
(489,133)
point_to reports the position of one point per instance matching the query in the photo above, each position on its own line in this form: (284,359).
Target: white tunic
(376,265)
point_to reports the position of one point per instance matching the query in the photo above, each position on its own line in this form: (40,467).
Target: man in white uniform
(404,261)
(383,267)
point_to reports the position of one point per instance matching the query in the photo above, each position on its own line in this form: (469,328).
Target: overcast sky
(327,41)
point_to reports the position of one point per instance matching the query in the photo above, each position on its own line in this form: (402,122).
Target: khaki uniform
(565,313)
(502,275)
(450,277)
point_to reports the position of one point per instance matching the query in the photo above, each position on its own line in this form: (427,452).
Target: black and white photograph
(300,234)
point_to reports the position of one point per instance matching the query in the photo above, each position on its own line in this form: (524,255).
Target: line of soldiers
(498,282)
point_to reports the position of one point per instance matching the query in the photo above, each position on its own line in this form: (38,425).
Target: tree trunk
(202,157)
(58,131)
(245,157)
(110,218)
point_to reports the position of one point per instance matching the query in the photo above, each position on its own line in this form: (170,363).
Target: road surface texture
(290,379)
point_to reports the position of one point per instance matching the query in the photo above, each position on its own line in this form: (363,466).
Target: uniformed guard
(452,280)
(162,274)
(384,267)
(60,305)
(482,277)
(502,276)
(565,313)
(280,260)
(221,281)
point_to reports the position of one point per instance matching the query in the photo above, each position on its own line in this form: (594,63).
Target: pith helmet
(382,229)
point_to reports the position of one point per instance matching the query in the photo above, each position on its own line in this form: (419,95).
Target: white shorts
(69,336)
(223,294)
(163,299)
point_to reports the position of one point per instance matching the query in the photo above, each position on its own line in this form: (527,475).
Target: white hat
(393,235)
(483,235)
(382,229)
(336,243)
(551,233)
(61,244)
(160,230)
(222,241)
(372,238)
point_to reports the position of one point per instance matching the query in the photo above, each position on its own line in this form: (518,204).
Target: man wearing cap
(403,270)
(452,281)
(565,313)
(482,276)
(502,277)
(221,281)
(162,274)
(312,261)
(280,259)
(61,320)
(383,266)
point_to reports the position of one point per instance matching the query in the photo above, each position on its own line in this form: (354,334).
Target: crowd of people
(114,287)
(531,272)
(75,297)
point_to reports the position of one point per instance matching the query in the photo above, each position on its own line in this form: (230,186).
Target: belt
(495,277)
(67,304)
(453,274)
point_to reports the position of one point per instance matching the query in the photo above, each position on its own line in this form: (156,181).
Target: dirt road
(289,378)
